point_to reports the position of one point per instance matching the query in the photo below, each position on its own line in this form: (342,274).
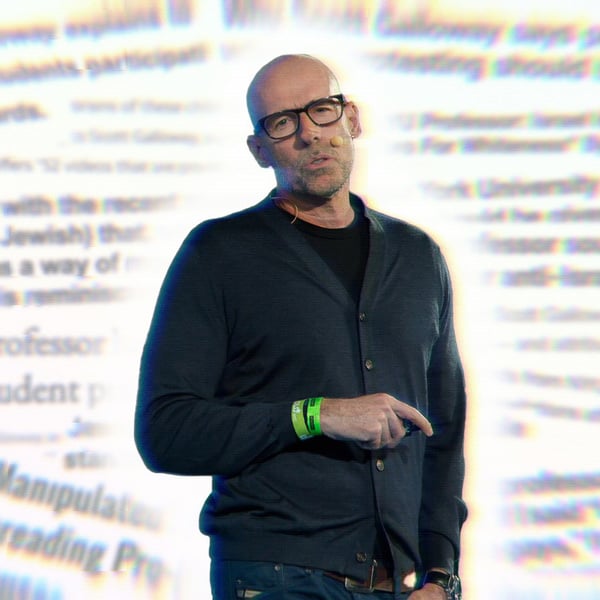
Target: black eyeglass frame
(260,124)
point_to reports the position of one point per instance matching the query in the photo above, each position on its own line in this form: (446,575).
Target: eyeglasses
(323,111)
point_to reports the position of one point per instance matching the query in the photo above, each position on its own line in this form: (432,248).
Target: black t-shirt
(345,250)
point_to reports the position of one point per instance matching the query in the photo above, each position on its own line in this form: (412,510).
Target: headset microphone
(336,141)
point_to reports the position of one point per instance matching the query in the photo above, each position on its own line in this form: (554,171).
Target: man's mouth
(318,161)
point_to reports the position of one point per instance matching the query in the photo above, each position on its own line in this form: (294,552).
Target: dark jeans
(240,580)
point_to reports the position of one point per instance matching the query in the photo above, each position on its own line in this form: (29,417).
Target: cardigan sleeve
(442,509)
(181,427)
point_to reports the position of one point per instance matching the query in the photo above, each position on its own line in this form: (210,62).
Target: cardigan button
(369,364)
(380,465)
(362,316)
(361,557)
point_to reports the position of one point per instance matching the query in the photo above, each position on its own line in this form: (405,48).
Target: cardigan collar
(280,222)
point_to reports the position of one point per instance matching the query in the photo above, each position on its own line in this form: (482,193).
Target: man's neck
(332,213)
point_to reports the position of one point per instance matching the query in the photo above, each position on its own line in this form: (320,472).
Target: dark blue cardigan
(248,320)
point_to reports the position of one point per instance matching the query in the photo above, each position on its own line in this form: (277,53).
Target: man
(295,347)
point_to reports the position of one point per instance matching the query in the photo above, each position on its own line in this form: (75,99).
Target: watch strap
(449,582)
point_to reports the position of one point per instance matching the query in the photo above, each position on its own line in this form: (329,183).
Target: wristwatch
(449,582)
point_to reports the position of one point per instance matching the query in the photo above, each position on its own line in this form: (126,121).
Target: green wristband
(313,415)
(298,421)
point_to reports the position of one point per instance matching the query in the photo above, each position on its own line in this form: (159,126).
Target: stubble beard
(317,182)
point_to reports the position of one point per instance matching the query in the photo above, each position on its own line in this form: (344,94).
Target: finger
(370,445)
(405,411)
(386,436)
(396,431)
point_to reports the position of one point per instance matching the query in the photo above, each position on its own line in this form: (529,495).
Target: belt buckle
(353,585)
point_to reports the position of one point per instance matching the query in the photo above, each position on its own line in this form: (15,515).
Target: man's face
(304,163)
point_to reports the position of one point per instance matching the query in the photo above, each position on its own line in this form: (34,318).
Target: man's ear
(257,149)
(353,116)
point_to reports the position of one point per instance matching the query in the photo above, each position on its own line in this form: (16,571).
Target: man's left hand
(429,591)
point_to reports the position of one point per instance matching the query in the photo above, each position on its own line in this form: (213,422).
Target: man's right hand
(373,421)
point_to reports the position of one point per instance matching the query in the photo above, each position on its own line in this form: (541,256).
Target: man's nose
(307,130)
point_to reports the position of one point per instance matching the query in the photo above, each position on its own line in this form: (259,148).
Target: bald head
(280,77)
(312,164)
